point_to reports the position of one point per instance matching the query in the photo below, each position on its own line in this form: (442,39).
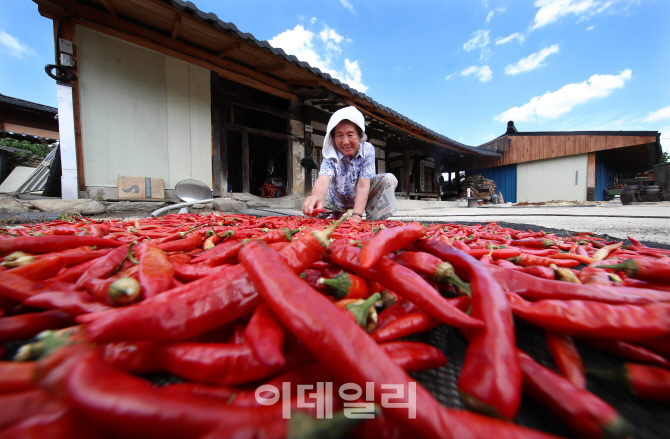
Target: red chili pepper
(73,303)
(644,381)
(21,404)
(265,336)
(581,259)
(413,356)
(16,376)
(223,363)
(105,266)
(535,288)
(594,276)
(184,244)
(156,270)
(139,357)
(566,357)
(47,244)
(589,319)
(432,267)
(647,270)
(490,379)
(405,282)
(72,274)
(535,243)
(22,326)
(346,285)
(394,311)
(189,272)
(585,414)
(40,269)
(538,271)
(626,351)
(16,287)
(389,240)
(527,260)
(404,325)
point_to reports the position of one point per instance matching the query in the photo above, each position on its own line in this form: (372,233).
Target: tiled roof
(230,27)
(25,104)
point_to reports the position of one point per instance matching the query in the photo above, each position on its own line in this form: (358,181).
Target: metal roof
(230,27)
(25,104)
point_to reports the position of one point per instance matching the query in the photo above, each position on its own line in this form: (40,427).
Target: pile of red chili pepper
(228,303)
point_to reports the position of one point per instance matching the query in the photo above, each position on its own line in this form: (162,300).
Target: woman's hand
(318,197)
(312,202)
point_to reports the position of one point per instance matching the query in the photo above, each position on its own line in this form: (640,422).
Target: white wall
(142,114)
(552,179)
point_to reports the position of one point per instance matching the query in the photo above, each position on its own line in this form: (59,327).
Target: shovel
(191,192)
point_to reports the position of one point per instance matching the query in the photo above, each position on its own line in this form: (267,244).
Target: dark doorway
(267,162)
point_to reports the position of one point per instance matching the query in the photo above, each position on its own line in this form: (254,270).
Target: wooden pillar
(405,172)
(591,177)
(67,32)
(289,167)
(219,183)
(245,161)
(223,117)
(308,151)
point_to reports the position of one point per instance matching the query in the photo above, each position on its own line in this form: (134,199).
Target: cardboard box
(141,187)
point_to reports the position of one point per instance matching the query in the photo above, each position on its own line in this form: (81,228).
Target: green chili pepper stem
(324,235)
(47,342)
(617,376)
(629,266)
(387,299)
(361,310)
(289,233)
(303,426)
(183,234)
(124,291)
(339,285)
(445,274)
(131,258)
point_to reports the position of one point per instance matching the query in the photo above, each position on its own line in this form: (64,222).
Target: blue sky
(461,68)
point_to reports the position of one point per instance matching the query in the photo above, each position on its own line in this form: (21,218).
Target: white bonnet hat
(347,113)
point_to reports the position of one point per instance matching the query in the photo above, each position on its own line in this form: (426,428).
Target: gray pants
(381,200)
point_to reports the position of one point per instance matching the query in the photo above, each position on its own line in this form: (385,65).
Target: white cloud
(500,9)
(348,5)
(483,73)
(450,76)
(319,51)
(480,39)
(654,116)
(590,28)
(15,47)
(553,10)
(554,104)
(532,61)
(516,35)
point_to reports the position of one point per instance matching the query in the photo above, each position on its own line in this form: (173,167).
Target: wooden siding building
(573,165)
(165,90)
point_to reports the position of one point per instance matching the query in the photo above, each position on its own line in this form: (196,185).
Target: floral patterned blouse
(344,174)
